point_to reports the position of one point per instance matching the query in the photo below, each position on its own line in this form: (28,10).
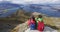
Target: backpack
(40,25)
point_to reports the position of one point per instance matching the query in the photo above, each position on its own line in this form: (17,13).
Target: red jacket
(31,21)
(40,26)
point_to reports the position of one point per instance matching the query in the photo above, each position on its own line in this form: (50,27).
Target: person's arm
(28,22)
(36,20)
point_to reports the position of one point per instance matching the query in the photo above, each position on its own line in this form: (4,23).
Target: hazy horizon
(34,1)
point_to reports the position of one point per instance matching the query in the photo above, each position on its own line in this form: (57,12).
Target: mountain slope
(49,10)
(7,9)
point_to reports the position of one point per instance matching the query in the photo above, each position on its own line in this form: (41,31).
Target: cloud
(33,1)
(0,0)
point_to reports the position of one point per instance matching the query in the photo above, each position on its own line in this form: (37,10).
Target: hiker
(40,23)
(31,23)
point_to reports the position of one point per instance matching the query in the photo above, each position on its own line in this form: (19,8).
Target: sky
(34,1)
